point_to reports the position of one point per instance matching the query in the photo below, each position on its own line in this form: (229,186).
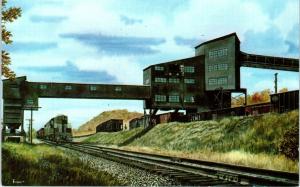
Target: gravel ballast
(125,174)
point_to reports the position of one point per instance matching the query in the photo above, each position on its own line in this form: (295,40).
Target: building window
(189,81)
(189,69)
(160,98)
(68,87)
(93,88)
(29,102)
(160,80)
(174,98)
(147,81)
(222,80)
(212,81)
(118,89)
(43,87)
(223,67)
(159,68)
(218,53)
(189,99)
(217,67)
(173,80)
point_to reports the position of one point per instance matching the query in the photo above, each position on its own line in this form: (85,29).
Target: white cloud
(288,18)
(125,69)
(215,18)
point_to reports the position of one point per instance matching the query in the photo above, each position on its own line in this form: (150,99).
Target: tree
(8,15)
(257,97)
(283,90)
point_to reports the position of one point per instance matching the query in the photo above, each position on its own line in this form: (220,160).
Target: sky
(112,41)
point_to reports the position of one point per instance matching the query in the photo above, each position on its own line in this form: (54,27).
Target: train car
(112,125)
(57,129)
(256,109)
(170,117)
(40,133)
(135,123)
(286,101)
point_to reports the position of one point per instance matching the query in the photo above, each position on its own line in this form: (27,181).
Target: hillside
(112,138)
(258,141)
(90,126)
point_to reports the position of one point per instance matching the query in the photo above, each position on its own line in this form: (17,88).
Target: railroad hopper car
(170,117)
(254,109)
(112,125)
(58,129)
(135,123)
(139,122)
(286,101)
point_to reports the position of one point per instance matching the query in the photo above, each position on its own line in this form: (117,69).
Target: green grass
(252,141)
(249,134)
(112,138)
(45,165)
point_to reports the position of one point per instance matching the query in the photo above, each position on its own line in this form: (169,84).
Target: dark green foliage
(289,144)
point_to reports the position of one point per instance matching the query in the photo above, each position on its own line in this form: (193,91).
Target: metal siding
(104,91)
(231,45)
(172,70)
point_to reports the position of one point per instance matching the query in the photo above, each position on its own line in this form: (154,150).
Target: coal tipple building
(200,83)
(206,81)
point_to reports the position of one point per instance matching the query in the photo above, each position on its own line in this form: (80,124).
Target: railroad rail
(189,171)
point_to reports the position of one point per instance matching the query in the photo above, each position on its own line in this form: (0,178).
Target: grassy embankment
(112,138)
(250,141)
(45,165)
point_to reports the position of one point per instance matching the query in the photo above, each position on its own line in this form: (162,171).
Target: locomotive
(56,129)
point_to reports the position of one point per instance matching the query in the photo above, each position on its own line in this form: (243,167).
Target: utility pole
(31,108)
(31,125)
(275,81)
(29,130)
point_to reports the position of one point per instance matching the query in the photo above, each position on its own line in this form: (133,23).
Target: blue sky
(112,41)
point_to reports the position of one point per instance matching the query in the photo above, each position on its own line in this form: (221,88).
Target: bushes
(289,144)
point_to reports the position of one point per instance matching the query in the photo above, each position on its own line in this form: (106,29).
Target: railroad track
(191,172)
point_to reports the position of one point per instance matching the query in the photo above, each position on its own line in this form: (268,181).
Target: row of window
(174,98)
(218,67)
(218,53)
(159,68)
(189,69)
(186,69)
(174,80)
(189,81)
(69,87)
(160,80)
(218,81)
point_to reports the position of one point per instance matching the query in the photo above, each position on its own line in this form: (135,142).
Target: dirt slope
(90,126)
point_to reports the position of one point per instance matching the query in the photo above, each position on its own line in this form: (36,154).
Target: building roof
(220,38)
(174,61)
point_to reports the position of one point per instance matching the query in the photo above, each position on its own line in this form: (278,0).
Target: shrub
(289,144)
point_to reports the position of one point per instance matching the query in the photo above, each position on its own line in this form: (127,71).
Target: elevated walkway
(269,62)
